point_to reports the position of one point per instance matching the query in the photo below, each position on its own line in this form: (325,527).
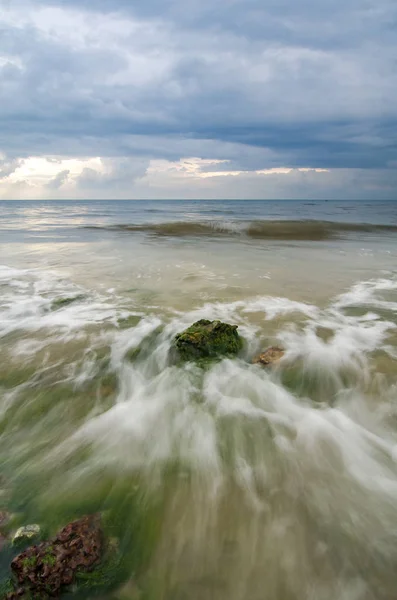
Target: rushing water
(235,482)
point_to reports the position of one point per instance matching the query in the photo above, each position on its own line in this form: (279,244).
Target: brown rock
(43,570)
(271,356)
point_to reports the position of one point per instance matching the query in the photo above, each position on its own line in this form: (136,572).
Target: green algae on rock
(104,576)
(208,340)
(43,570)
(6,589)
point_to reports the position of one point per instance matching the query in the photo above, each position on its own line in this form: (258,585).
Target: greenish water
(233,482)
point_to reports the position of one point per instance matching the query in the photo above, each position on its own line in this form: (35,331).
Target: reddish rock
(43,570)
(271,356)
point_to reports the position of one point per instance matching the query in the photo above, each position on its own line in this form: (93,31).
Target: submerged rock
(26,533)
(42,571)
(208,340)
(129,322)
(271,356)
(145,348)
(62,302)
(105,575)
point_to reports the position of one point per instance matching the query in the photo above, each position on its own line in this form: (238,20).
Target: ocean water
(234,482)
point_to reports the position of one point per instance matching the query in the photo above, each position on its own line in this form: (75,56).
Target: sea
(229,482)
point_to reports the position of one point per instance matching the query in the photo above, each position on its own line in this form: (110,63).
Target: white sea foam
(304,469)
(29,303)
(366,293)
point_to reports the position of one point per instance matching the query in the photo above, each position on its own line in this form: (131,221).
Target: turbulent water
(277,230)
(231,483)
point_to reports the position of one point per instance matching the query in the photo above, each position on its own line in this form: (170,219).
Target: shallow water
(231,483)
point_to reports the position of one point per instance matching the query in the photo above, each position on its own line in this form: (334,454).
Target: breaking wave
(272,230)
(279,484)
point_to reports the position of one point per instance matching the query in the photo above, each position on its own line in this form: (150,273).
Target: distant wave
(272,230)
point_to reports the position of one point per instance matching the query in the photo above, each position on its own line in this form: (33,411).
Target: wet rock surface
(208,340)
(271,356)
(25,534)
(43,570)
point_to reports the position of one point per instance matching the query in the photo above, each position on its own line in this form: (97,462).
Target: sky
(198,99)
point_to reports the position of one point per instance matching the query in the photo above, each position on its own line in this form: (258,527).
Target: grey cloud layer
(262,83)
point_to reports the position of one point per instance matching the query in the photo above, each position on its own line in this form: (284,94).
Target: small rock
(271,356)
(26,533)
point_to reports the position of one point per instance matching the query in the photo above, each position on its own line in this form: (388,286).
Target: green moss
(49,558)
(206,341)
(105,576)
(29,562)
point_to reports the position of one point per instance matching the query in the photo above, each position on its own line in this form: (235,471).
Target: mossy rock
(208,341)
(44,570)
(104,576)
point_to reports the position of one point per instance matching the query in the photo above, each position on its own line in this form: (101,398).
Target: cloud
(7,167)
(59,180)
(193,177)
(261,84)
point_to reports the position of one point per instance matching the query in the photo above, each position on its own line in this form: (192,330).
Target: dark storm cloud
(262,83)
(323,22)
